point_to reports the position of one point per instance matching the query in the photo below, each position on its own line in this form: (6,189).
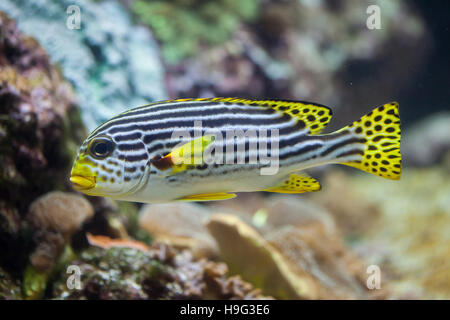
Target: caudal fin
(381,131)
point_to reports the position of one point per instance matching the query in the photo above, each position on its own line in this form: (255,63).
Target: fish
(178,150)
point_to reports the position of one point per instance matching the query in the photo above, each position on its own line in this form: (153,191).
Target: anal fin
(296,183)
(208,197)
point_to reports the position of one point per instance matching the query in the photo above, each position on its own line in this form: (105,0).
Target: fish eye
(101,148)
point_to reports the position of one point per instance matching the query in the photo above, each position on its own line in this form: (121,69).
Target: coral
(159,273)
(55,217)
(239,243)
(181,224)
(61,212)
(112,63)
(409,240)
(324,261)
(9,287)
(306,262)
(275,211)
(34,283)
(49,246)
(39,135)
(353,215)
(294,211)
(184,27)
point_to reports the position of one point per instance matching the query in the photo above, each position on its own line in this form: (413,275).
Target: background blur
(67,66)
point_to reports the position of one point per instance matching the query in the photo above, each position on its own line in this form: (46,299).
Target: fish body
(206,149)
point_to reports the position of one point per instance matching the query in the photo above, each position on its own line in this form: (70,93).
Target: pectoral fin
(187,155)
(208,197)
(296,183)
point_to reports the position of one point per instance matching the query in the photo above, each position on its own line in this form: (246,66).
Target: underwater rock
(160,273)
(427,142)
(112,63)
(321,257)
(40,131)
(49,246)
(409,239)
(310,50)
(244,206)
(275,211)
(181,225)
(60,211)
(283,210)
(353,215)
(249,255)
(9,287)
(106,218)
(302,262)
(55,217)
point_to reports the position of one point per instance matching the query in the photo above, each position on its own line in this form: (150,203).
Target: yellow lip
(83,183)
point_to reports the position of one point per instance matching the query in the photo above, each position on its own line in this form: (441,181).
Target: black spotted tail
(381,131)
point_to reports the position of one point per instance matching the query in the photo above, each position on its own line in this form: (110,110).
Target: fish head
(100,169)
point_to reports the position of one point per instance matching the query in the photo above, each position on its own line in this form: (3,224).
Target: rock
(116,65)
(40,131)
(302,262)
(58,211)
(285,210)
(160,273)
(180,224)
(9,287)
(244,206)
(275,211)
(49,247)
(239,243)
(353,214)
(409,240)
(323,260)
(55,217)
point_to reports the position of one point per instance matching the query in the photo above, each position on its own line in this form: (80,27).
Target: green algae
(184,26)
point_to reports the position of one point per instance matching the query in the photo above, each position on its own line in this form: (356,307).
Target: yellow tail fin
(381,129)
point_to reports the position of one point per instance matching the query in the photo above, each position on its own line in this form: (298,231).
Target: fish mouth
(82,182)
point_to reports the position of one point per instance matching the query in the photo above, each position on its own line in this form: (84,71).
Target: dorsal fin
(314,115)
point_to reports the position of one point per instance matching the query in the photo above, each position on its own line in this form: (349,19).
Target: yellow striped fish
(136,156)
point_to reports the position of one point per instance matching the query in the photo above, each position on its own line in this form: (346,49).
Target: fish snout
(82,182)
(82,177)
